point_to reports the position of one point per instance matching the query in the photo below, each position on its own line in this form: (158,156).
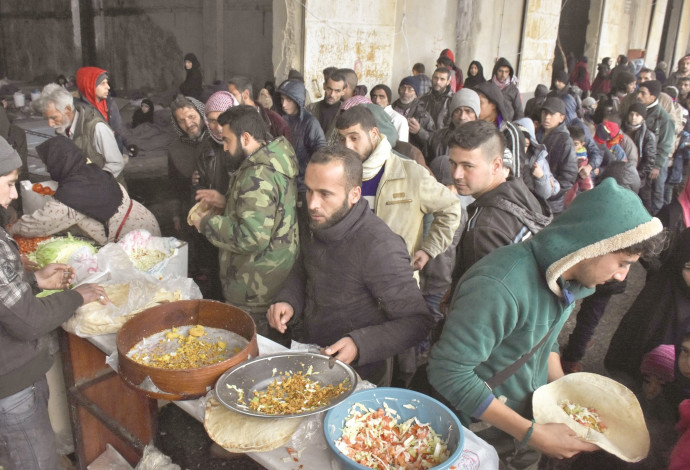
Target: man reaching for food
(500,337)
(352,287)
(27,441)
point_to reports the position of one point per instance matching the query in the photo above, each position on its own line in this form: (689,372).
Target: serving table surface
(105,410)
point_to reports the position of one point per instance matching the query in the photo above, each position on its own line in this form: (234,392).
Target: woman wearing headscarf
(88,201)
(193,82)
(475,74)
(144,113)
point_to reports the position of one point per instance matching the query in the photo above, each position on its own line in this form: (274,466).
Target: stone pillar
(654,38)
(76,31)
(682,44)
(211,57)
(288,44)
(538,43)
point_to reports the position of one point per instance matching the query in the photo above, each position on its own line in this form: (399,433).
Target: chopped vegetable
(375,439)
(27,245)
(294,393)
(585,416)
(59,250)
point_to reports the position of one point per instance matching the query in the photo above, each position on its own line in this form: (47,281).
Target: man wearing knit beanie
(420,122)
(464,107)
(25,430)
(659,122)
(530,290)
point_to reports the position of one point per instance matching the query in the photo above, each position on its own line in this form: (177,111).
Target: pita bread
(194,214)
(236,432)
(627,436)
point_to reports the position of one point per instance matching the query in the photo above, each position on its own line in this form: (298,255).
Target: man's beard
(62,130)
(332,220)
(406,100)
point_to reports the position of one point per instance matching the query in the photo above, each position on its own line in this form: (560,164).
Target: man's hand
(654,174)
(421,258)
(414,125)
(55,276)
(585,171)
(92,292)
(211,198)
(28,264)
(559,441)
(537,171)
(195,178)
(279,314)
(344,350)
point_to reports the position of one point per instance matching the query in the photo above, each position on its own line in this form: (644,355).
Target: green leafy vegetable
(58,250)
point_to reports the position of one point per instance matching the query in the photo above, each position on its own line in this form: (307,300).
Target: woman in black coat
(193,83)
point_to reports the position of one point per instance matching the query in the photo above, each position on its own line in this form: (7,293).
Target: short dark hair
(328,71)
(337,77)
(651,247)
(445,61)
(479,134)
(243,119)
(349,159)
(647,70)
(443,70)
(242,84)
(180,102)
(577,133)
(419,68)
(683,79)
(350,77)
(356,115)
(386,89)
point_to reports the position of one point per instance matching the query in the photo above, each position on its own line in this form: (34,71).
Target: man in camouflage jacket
(257,231)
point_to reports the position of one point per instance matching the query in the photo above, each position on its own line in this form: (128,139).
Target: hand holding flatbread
(617,408)
(240,433)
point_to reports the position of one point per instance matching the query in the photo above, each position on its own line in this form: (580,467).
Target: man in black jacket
(504,211)
(352,285)
(562,159)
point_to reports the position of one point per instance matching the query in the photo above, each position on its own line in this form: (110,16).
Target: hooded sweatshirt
(509,89)
(306,134)
(87,78)
(516,296)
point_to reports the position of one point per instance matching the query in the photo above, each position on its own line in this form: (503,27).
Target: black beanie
(639,108)
(654,87)
(562,76)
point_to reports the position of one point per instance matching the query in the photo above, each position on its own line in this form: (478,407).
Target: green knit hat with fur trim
(603,220)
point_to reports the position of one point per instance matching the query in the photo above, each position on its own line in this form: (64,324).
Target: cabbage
(47,292)
(59,250)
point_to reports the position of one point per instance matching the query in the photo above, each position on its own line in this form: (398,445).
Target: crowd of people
(442,236)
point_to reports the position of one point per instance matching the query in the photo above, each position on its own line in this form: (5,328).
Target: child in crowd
(582,183)
(645,141)
(608,132)
(657,369)
(681,452)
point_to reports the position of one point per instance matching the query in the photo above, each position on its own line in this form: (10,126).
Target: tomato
(37,188)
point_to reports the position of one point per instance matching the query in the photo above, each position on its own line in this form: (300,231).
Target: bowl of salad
(393,428)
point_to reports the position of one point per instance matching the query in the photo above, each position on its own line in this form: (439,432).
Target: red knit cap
(660,363)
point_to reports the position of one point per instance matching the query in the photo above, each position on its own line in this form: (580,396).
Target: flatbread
(194,214)
(95,318)
(236,432)
(627,436)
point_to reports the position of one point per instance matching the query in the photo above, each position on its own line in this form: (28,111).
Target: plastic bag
(130,292)
(154,459)
(148,253)
(110,460)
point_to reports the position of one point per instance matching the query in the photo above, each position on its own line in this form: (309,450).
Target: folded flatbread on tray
(236,432)
(626,437)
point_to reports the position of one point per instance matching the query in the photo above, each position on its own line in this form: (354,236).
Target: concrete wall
(140,42)
(538,43)
(487,30)
(36,40)
(682,42)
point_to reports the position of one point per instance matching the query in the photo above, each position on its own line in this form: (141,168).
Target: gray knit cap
(465,97)
(9,158)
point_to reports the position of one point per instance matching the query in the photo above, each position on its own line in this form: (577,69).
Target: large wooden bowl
(182,384)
